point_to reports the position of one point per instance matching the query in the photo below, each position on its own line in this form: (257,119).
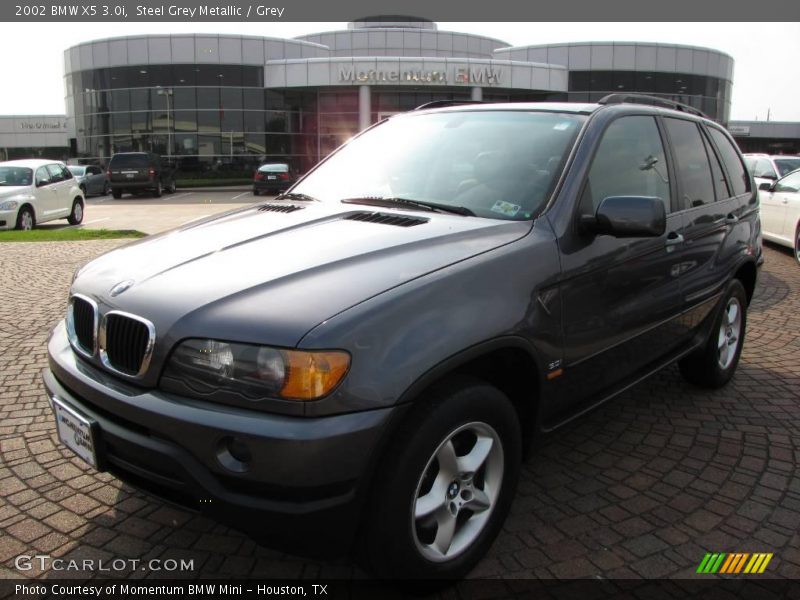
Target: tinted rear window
(740,180)
(122,161)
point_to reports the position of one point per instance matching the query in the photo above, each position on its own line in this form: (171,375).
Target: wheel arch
(746,273)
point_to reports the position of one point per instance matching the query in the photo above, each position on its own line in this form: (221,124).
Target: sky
(762,85)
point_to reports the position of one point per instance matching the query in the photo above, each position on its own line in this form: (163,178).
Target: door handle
(731,219)
(673,239)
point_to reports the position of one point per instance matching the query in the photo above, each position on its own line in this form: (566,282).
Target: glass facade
(220,121)
(711,95)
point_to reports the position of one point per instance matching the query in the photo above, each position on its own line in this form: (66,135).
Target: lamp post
(167,92)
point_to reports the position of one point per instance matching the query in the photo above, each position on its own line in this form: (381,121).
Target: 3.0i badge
(121,287)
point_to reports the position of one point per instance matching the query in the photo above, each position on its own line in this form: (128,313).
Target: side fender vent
(282,208)
(384,219)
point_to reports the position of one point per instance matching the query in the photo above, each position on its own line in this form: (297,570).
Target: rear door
(46,194)
(714,204)
(786,195)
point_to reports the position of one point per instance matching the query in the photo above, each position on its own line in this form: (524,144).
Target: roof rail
(441,103)
(651,101)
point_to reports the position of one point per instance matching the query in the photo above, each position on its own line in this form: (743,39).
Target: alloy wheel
(729,333)
(457,491)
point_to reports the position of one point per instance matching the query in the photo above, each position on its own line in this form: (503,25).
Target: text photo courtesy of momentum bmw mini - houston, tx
(396,305)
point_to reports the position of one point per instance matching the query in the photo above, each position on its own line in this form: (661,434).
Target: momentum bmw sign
(468,76)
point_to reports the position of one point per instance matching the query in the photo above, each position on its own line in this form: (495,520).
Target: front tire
(26,220)
(713,365)
(446,484)
(106,189)
(76,215)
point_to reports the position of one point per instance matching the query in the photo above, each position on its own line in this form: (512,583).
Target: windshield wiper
(405,202)
(296,196)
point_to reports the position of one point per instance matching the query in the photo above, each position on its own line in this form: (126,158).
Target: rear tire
(172,188)
(117,194)
(797,243)
(106,189)
(76,215)
(713,365)
(445,485)
(157,190)
(256,193)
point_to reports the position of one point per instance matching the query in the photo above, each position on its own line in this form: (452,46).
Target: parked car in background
(766,168)
(37,191)
(364,358)
(272,178)
(780,211)
(140,172)
(92,179)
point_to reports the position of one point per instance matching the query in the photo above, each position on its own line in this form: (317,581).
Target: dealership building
(225,102)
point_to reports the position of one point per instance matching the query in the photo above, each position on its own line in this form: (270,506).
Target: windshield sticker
(562,126)
(505,208)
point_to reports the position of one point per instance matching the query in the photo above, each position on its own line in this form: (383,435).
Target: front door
(621,296)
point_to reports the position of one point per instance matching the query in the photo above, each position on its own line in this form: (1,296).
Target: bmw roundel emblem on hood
(121,287)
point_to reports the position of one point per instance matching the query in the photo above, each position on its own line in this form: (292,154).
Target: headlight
(9,205)
(234,373)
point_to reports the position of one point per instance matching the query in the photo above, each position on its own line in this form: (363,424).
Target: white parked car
(35,191)
(780,211)
(767,169)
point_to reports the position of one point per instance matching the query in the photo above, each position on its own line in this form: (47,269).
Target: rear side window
(790,183)
(720,184)
(128,161)
(691,161)
(629,162)
(740,180)
(763,168)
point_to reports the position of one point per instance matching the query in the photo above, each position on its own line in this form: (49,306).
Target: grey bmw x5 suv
(364,358)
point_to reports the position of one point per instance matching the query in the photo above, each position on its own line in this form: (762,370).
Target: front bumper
(306,476)
(8,219)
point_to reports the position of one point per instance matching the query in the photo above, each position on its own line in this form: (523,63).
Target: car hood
(14,190)
(269,277)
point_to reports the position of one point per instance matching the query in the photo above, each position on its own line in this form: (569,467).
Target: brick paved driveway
(642,487)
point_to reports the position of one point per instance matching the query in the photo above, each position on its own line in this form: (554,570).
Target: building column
(477,94)
(364,107)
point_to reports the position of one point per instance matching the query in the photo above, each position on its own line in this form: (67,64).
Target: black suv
(136,172)
(365,356)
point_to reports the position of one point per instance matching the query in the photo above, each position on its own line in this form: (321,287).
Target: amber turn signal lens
(312,375)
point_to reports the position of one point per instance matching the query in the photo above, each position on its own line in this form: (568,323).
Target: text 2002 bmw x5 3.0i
(363,358)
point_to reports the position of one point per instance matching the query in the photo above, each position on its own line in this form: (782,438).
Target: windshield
(787,165)
(497,164)
(15,176)
(77,171)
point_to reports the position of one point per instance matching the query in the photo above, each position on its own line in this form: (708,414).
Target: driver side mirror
(767,186)
(628,216)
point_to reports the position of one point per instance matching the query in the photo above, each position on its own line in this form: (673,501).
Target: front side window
(790,183)
(691,161)
(497,164)
(56,174)
(629,162)
(42,176)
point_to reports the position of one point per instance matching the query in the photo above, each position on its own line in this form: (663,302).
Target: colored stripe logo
(734,563)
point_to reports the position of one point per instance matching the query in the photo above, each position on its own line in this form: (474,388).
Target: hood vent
(282,208)
(384,219)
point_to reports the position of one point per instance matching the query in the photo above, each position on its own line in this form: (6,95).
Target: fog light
(234,454)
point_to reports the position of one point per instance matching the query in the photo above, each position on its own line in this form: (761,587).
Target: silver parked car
(92,179)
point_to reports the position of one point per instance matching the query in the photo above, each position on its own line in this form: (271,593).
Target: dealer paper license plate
(77,432)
